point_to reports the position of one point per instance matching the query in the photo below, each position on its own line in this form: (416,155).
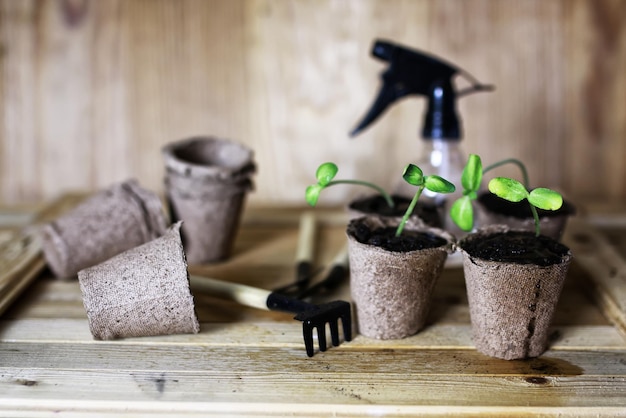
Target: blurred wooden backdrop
(91,90)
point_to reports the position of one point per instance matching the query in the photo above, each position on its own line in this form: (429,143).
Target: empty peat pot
(392,287)
(108,223)
(206,182)
(141,292)
(514,280)
(493,210)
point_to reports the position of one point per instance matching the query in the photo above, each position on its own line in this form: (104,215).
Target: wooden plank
(605,267)
(21,260)
(386,377)
(264,333)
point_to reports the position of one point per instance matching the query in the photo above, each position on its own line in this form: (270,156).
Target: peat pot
(392,280)
(141,292)
(114,220)
(514,281)
(206,183)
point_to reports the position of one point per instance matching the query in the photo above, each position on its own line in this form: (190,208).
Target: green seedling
(462,212)
(325,175)
(514,191)
(412,174)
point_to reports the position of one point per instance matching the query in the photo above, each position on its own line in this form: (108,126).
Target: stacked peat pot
(207,180)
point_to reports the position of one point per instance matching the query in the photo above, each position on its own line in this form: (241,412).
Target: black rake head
(317,316)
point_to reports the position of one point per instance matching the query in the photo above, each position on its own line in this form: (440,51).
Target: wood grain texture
(91,90)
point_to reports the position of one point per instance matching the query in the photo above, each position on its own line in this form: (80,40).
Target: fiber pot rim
(413,224)
(501,228)
(217,165)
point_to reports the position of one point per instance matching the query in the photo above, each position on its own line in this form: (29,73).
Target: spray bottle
(412,72)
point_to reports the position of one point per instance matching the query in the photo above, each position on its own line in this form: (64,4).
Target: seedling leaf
(545,199)
(472,173)
(438,184)
(509,189)
(325,173)
(312,193)
(462,213)
(413,175)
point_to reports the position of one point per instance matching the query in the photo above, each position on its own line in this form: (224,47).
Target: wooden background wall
(91,90)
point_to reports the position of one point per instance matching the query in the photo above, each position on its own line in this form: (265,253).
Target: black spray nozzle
(411,72)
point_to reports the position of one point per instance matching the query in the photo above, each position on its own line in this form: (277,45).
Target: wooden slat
(21,260)
(289,333)
(388,377)
(606,268)
(259,409)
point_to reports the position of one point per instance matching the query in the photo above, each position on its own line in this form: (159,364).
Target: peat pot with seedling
(380,203)
(394,263)
(494,210)
(513,277)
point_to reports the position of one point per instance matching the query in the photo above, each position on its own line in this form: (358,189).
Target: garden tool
(312,316)
(338,270)
(304,256)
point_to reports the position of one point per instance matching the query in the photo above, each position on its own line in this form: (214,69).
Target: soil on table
(377,205)
(520,247)
(386,238)
(520,210)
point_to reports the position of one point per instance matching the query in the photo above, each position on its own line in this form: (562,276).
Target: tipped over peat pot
(114,220)
(514,280)
(206,183)
(392,278)
(493,210)
(141,292)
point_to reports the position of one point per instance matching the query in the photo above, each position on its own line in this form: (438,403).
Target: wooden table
(250,362)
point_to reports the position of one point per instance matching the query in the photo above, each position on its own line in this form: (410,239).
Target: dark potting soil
(520,210)
(386,238)
(377,205)
(521,247)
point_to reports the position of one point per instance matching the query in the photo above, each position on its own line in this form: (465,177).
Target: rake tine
(334,332)
(321,336)
(308,339)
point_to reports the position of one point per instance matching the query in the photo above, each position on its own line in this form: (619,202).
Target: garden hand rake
(312,316)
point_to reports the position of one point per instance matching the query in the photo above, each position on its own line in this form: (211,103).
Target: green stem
(409,211)
(515,161)
(536,217)
(380,190)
